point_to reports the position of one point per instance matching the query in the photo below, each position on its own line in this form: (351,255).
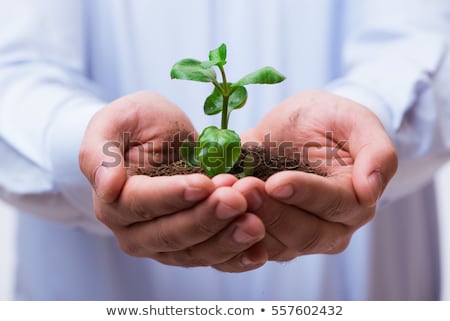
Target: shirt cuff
(64,138)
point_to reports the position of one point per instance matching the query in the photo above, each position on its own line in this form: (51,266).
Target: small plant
(218,149)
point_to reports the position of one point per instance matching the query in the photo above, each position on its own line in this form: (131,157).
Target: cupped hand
(187,220)
(306,213)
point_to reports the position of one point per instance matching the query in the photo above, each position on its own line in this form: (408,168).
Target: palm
(335,136)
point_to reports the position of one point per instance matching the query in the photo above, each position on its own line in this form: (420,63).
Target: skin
(304,213)
(237,225)
(185,221)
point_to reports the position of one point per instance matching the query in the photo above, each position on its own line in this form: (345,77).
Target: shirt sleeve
(46,102)
(398,65)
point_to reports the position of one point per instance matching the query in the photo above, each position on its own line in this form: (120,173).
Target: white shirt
(60,61)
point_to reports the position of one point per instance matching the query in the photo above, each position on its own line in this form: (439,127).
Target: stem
(218,87)
(225,113)
(226,96)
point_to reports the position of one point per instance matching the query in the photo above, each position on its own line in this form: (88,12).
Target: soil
(264,165)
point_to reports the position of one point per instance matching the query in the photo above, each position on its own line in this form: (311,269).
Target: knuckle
(365,217)
(393,156)
(321,242)
(102,214)
(339,245)
(192,258)
(205,229)
(337,209)
(283,254)
(166,258)
(167,241)
(226,268)
(137,208)
(310,245)
(129,247)
(274,221)
(233,267)
(82,158)
(184,258)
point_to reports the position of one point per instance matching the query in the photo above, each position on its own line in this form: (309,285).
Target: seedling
(218,149)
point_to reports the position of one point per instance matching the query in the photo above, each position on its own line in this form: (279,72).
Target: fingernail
(224,211)
(197,189)
(243,238)
(100,173)
(283,191)
(254,200)
(376,184)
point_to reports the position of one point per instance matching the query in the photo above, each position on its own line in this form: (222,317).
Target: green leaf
(265,75)
(214,102)
(238,98)
(218,56)
(187,151)
(191,69)
(218,150)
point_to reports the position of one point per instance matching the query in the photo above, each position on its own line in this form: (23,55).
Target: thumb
(375,162)
(101,158)
(108,181)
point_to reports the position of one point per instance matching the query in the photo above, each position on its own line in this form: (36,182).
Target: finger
(101,156)
(375,160)
(291,226)
(108,181)
(250,259)
(144,198)
(254,191)
(102,162)
(330,198)
(224,180)
(125,120)
(186,228)
(239,236)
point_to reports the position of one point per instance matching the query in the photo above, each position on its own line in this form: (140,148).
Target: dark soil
(262,163)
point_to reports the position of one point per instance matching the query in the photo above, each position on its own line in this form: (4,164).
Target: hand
(306,213)
(186,220)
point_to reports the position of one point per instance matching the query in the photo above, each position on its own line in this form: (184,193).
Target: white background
(7,234)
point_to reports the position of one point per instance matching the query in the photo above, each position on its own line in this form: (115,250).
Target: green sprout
(218,149)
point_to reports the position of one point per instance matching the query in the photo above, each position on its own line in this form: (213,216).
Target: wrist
(63,140)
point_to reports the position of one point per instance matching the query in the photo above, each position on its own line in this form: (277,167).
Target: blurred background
(7,239)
